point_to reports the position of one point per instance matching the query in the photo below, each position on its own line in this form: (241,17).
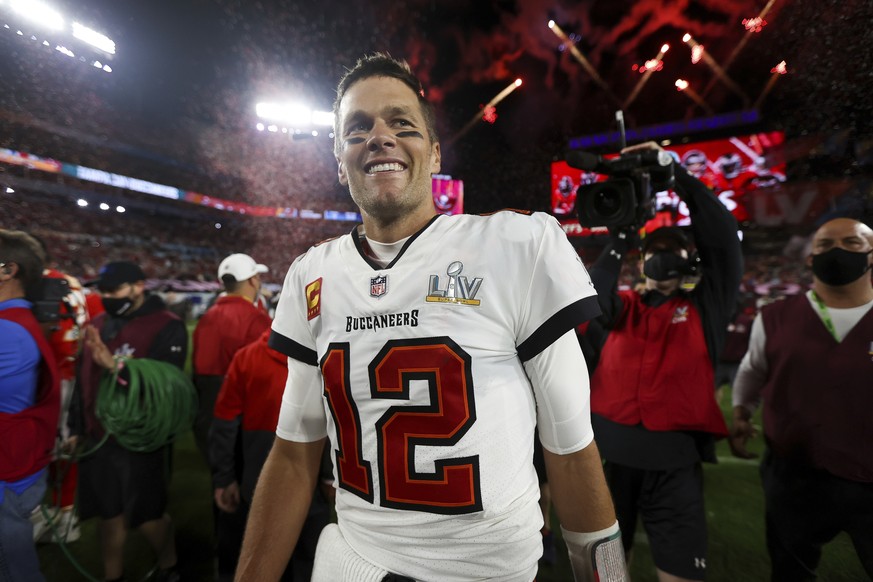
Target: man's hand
(101,354)
(68,446)
(630,235)
(648,145)
(227,498)
(741,431)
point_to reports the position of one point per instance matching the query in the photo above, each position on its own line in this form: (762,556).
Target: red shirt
(252,391)
(227,326)
(66,337)
(655,369)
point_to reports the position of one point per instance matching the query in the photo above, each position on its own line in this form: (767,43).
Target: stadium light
(104,206)
(82,202)
(94,38)
(120,209)
(324,118)
(293,114)
(10,190)
(39,13)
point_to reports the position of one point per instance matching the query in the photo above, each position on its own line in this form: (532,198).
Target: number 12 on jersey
(453,488)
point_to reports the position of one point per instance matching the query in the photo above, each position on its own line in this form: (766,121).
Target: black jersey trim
(557,325)
(359,244)
(515,210)
(292,349)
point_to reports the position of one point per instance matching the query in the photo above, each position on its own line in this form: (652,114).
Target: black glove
(629,236)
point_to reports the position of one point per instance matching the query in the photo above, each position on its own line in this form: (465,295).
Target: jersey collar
(363,250)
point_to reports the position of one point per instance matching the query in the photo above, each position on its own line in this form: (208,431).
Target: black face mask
(665,265)
(117,306)
(839,267)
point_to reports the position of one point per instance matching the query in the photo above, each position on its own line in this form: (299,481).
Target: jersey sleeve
(291,333)
(302,417)
(559,377)
(560,294)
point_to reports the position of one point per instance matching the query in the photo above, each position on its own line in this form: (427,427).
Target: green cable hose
(158,403)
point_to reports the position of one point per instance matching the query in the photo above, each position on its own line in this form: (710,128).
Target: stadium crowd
(168,247)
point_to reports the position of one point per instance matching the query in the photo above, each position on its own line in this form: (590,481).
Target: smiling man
(428,348)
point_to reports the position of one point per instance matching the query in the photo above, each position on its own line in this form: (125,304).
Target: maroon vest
(28,437)
(818,399)
(135,339)
(655,369)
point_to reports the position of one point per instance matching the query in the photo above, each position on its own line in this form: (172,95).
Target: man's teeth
(392,167)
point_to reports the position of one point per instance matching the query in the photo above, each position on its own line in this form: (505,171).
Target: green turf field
(734,506)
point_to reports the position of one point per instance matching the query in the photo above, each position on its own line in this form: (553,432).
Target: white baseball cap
(240,266)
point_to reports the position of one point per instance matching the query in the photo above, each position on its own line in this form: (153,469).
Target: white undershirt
(384,253)
(753,370)
(843,319)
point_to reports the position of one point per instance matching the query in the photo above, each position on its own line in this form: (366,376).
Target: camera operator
(652,394)
(29,405)
(62,311)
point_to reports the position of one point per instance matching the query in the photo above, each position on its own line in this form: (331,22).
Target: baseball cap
(240,266)
(670,237)
(114,275)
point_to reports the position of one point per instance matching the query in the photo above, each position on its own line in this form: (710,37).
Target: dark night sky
(211,60)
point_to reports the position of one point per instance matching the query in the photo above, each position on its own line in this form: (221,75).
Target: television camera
(627,197)
(48,298)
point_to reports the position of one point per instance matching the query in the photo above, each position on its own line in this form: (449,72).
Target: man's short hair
(382,65)
(230,284)
(20,248)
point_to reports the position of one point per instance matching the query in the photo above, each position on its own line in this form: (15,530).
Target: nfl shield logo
(379,286)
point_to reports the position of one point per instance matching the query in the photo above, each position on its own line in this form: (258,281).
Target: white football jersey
(427,405)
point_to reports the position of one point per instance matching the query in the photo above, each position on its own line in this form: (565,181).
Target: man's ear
(341,172)
(8,271)
(436,159)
